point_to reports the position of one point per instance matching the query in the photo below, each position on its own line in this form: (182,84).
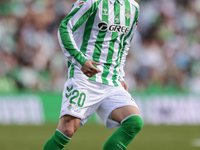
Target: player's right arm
(80,12)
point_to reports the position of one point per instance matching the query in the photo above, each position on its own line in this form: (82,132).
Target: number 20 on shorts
(81,98)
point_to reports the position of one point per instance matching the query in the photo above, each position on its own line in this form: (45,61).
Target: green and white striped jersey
(100,30)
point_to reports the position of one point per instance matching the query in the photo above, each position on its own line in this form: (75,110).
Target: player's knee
(69,132)
(138,124)
(133,124)
(68,125)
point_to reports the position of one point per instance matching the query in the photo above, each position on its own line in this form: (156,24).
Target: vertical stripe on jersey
(111,47)
(127,11)
(129,34)
(127,23)
(70,74)
(71,71)
(68,65)
(117,14)
(100,36)
(117,61)
(123,40)
(135,19)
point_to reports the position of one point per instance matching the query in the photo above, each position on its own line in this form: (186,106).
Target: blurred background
(162,71)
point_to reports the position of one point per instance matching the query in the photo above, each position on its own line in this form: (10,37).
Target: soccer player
(95,37)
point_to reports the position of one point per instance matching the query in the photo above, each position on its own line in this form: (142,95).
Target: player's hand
(88,69)
(126,87)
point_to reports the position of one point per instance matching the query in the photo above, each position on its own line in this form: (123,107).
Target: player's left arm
(126,46)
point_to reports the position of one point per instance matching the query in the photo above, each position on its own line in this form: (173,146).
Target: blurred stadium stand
(165,51)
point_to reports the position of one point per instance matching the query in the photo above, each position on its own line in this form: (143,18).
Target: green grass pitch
(92,137)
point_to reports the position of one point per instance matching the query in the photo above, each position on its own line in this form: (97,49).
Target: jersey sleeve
(127,44)
(79,13)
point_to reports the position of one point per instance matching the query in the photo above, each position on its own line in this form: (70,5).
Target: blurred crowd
(165,50)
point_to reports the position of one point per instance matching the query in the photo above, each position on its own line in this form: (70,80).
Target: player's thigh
(117,105)
(121,113)
(81,98)
(68,125)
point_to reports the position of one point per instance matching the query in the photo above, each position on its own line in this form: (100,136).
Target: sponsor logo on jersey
(103,26)
(79,4)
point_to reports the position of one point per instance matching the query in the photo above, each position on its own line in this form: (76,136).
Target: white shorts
(82,98)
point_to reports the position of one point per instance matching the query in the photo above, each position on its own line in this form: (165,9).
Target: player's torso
(103,35)
(106,29)
(114,16)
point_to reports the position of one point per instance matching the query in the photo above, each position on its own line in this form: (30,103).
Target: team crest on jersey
(79,4)
(127,14)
